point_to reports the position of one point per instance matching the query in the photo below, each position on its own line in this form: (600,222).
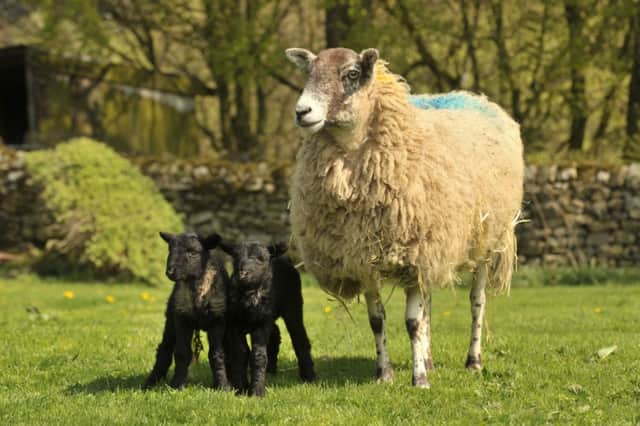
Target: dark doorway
(14,121)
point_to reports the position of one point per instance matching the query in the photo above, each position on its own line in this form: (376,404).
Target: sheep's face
(188,255)
(252,261)
(334,98)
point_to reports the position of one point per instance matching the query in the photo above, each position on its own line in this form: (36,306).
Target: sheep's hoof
(384,375)
(420,381)
(257,391)
(474,363)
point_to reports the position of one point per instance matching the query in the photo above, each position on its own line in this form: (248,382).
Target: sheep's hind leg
(478,301)
(417,321)
(377,318)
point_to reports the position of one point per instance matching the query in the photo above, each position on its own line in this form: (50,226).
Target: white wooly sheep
(409,188)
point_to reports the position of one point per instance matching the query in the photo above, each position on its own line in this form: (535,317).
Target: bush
(108,213)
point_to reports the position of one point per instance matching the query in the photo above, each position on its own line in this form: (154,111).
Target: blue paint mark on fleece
(454,100)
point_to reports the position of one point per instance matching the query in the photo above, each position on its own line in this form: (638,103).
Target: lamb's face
(333,98)
(252,261)
(188,256)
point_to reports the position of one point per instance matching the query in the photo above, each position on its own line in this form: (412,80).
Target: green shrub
(108,213)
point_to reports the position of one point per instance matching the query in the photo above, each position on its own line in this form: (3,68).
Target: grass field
(83,357)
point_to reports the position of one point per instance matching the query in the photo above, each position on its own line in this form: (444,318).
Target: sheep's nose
(171,273)
(301,111)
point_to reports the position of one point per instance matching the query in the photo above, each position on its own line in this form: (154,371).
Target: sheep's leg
(377,317)
(182,354)
(273,348)
(259,341)
(428,362)
(216,356)
(478,301)
(417,322)
(300,341)
(238,359)
(163,354)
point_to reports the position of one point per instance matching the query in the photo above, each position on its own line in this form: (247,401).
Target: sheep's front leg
(478,301)
(259,341)
(377,318)
(182,354)
(418,318)
(216,356)
(163,353)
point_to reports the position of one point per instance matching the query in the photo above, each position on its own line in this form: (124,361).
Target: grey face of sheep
(332,97)
(188,255)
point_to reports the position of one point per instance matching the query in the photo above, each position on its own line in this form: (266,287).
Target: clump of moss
(108,214)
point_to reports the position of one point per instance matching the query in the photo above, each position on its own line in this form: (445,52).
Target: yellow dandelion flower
(327,309)
(109,299)
(446,313)
(145,296)
(68,294)
(597,309)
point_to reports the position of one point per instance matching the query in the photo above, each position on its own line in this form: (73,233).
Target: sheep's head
(334,98)
(251,260)
(188,255)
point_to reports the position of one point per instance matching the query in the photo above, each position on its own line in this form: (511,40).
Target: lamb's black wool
(264,286)
(197,302)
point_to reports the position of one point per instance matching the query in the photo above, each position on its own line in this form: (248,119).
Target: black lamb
(197,302)
(264,286)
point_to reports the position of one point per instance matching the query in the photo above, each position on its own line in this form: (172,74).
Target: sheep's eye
(353,74)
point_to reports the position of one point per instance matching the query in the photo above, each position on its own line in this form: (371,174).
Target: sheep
(404,188)
(197,302)
(264,286)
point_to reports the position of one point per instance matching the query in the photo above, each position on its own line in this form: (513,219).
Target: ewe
(390,186)
(197,302)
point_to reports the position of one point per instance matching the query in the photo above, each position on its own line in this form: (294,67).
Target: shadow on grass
(330,372)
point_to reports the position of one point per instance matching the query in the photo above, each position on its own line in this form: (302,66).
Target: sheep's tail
(504,260)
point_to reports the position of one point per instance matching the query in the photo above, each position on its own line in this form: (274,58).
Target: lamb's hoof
(307,374)
(473,363)
(177,385)
(420,382)
(257,391)
(384,375)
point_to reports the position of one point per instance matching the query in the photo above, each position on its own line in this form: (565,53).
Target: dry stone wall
(575,215)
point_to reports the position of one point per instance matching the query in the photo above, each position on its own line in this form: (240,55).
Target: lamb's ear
(301,57)
(368,58)
(228,248)
(211,241)
(278,249)
(167,237)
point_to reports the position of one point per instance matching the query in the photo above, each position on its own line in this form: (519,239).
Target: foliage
(567,71)
(541,361)
(109,213)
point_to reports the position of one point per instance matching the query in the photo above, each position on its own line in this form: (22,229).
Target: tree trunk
(577,96)
(337,22)
(632,144)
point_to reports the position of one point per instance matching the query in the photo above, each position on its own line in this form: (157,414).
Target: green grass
(82,360)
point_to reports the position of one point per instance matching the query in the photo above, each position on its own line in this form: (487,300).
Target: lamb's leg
(182,354)
(259,340)
(300,341)
(163,354)
(216,356)
(377,317)
(238,359)
(478,301)
(273,348)
(417,321)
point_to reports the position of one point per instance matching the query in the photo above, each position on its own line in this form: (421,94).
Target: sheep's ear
(228,248)
(368,58)
(211,241)
(169,238)
(278,249)
(302,58)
